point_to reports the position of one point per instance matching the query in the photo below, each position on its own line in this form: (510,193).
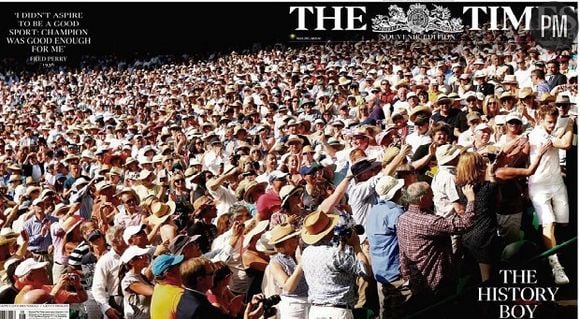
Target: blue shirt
(38,242)
(382,235)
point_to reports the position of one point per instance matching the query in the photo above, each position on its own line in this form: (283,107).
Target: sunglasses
(130,202)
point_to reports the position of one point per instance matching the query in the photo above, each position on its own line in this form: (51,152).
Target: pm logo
(417,19)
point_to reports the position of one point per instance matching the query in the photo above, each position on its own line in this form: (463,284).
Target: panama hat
(387,186)
(446,153)
(71,223)
(417,110)
(160,212)
(281,233)
(317,225)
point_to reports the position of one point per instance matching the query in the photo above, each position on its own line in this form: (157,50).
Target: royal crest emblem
(417,19)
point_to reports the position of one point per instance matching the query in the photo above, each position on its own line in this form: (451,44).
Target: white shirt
(212,162)
(444,191)
(106,279)
(232,256)
(548,171)
(466,138)
(224,199)
(416,140)
(361,197)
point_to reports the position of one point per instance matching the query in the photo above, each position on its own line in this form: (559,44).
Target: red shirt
(425,246)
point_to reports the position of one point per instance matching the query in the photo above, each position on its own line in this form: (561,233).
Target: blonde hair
(192,269)
(470,168)
(486,102)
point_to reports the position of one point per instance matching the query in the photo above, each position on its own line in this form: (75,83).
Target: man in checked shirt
(425,246)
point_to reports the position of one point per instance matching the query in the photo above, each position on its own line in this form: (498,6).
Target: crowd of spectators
(347,178)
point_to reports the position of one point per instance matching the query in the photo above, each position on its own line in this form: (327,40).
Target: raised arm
(507,173)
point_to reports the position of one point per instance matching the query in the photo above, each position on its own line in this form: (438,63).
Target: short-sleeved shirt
(444,191)
(384,246)
(164,301)
(361,197)
(548,171)
(135,306)
(331,274)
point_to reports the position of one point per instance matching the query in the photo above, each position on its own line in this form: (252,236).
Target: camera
(269,304)
(345,228)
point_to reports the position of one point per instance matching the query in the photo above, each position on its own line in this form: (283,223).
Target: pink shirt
(58,243)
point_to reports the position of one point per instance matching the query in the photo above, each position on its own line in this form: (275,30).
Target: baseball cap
(132,230)
(513,116)
(132,252)
(482,126)
(27,266)
(277,175)
(163,262)
(307,170)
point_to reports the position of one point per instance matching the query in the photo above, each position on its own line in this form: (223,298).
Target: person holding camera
(331,270)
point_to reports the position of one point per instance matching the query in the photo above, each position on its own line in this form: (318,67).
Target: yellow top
(164,301)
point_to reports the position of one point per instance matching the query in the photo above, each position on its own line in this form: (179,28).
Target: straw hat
(160,212)
(251,186)
(281,233)
(317,225)
(446,153)
(71,223)
(387,186)
(417,110)
(525,92)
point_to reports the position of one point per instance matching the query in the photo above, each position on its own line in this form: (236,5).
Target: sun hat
(160,212)
(363,165)
(281,233)
(70,223)
(387,186)
(446,153)
(132,230)
(178,243)
(317,225)
(252,186)
(287,191)
(28,265)
(259,228)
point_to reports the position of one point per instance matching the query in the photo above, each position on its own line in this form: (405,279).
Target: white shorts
(550,203)
(318,312)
